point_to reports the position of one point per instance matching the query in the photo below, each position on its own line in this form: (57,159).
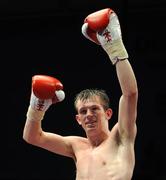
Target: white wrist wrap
(116,51)
(111,40)
(34,115)
(39,104)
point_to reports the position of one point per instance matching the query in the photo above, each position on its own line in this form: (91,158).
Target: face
(92,116)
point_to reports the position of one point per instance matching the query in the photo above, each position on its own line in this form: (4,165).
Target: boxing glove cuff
(116,51)
(35,115)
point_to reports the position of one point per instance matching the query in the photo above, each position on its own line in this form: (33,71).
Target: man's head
(93,110)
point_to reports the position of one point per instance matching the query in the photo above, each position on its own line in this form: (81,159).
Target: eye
(83,111)
(95,108)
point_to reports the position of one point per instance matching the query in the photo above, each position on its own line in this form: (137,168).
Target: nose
(89,113)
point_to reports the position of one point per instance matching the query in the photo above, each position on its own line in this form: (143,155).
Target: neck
(96,139)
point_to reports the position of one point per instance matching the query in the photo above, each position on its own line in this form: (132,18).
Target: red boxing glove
(46,90)
(103,28)
(96,22)
(44,87)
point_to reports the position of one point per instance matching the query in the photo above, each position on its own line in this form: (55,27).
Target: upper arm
(56,143)
(127,116)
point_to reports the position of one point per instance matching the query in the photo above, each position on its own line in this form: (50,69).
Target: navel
(103,163)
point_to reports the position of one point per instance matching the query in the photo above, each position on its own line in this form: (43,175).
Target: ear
(78,119)
(109,113)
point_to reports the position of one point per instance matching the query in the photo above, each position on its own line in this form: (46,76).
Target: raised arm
(103,28)
(46,90)
(128,100)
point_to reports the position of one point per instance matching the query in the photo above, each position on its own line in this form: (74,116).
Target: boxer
(104,153)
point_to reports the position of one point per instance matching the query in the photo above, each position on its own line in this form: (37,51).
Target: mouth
(91,124)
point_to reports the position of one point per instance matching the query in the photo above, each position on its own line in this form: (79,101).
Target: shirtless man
(103,154)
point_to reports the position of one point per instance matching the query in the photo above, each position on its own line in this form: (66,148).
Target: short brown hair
(88,93)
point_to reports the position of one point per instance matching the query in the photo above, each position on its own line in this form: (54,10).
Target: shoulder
(77,141)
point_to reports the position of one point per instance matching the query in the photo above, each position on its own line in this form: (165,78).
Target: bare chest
(102,164)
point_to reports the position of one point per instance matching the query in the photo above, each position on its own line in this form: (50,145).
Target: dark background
(44,37)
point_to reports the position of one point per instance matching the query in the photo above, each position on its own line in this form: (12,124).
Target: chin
(91,130)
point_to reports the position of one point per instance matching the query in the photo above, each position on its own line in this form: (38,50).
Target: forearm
(32,129)
(126,78)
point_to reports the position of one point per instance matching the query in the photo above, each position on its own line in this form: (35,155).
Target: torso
(111,160)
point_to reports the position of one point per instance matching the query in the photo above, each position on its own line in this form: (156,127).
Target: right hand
(46,90)
(103,28)
(96,22)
